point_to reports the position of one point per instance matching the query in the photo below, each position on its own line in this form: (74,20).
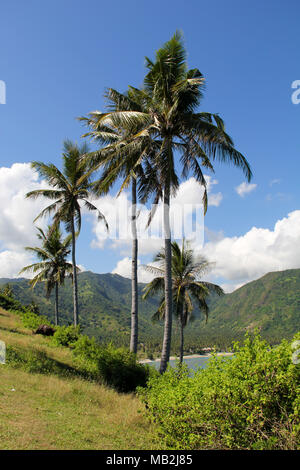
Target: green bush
(9,303)
(32,320)
(66,335)
(116,367)
(86,353)
(251,401)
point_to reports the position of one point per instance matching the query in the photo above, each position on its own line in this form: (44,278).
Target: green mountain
(271,303)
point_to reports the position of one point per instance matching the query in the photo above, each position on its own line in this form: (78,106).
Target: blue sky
(57,58)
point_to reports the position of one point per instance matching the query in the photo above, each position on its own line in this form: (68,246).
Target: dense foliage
(116,367)
(251,401)
(105,301)
(66,335)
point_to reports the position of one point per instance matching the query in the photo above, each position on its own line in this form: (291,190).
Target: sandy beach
(173,358)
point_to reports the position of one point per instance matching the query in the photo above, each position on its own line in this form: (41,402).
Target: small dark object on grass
(45,330)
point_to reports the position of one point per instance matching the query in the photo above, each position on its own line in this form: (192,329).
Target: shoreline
(195,356)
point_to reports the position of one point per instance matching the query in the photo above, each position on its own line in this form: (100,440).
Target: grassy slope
(50,412)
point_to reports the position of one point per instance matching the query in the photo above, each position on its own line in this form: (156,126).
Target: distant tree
(7,291)
(71,186)
(53,266)
(186,285)
(33,307)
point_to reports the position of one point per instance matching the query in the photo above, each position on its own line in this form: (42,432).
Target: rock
(45,330)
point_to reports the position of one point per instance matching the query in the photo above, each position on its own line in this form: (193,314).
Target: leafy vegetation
(116,367)
(66,335)
(251,401)
(105,303)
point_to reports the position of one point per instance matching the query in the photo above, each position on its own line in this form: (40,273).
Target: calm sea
(193,363)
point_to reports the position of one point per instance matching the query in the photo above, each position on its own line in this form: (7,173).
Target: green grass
(43,411)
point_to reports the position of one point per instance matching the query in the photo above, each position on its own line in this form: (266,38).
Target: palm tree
(171,95)
(119,160)
(53,266)
(71,186)
(186,285)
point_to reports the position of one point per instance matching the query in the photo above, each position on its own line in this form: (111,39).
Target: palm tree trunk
(165,355)
(134,281)
(75,287)
(56,303)
(181,337)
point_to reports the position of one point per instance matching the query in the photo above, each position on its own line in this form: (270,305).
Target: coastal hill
(271,303)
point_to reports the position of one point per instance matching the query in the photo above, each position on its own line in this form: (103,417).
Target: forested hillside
(271,303)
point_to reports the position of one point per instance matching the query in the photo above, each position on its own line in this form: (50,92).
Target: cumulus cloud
(186,218)
(16,212)
(245,188)
(11,262)
(247,257)
(123,268)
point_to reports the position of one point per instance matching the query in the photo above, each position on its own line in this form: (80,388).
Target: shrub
(66,335)
(32,320)
(86,353)
(248,402)
(9,303)
(116,367)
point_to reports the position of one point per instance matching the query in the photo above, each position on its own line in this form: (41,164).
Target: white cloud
(245,188)
(123,268)
(186,214)
(81,267)
(11,262)
(242,259)
(16,212)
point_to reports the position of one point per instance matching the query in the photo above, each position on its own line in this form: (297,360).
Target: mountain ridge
(270,303)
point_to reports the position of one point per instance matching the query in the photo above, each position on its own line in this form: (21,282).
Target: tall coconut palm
(186,285)
(172,94)
(71,186)
(119,160)
(53,266)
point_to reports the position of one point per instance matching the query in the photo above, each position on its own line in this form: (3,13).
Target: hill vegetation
(270,303)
